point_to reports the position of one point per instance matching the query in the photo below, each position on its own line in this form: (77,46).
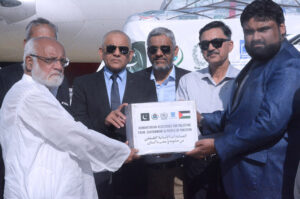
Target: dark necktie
(114,95)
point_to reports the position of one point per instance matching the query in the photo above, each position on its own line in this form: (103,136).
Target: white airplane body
(81,24)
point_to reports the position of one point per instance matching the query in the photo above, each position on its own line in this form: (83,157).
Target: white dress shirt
(46,153)
(200,87)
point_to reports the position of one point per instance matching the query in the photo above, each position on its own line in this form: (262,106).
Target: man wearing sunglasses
(9,75)
(259,141)
(98,100)
(162,50)
(210,88)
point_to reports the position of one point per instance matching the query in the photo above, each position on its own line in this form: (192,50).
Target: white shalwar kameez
(47,154)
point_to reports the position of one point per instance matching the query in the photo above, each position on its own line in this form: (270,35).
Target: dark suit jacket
(179,72)
(259,148)
(9,75)
(90,105)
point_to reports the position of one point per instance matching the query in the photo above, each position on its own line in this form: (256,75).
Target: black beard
(262,53)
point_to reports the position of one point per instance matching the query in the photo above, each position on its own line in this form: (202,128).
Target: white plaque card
(162,127)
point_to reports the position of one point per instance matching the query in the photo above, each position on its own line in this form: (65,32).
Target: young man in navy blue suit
(259,145)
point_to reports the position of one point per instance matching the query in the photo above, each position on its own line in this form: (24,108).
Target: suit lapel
(102,95)
(254,72)
(129,84)
(177,77)
(235,88)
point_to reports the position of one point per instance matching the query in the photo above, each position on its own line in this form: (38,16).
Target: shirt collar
(121,74)
(230,73)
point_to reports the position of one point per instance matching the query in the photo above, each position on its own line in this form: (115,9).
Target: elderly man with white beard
(46,153)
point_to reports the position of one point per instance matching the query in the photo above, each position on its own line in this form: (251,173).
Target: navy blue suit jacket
(260,145)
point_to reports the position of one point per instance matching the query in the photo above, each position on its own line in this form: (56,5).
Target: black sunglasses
(217,43)
(112,48)
(164,49)
(50,60)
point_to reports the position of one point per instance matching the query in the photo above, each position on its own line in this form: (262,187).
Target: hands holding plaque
(203,148)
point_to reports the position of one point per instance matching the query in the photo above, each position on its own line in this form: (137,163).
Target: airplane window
(10,3)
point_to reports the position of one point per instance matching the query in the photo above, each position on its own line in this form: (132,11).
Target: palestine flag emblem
(184,114)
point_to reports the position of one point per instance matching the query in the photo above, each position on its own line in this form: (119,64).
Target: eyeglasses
(112,48)
(164,49)
(217,43)
(50,60)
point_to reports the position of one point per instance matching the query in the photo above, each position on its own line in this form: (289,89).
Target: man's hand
(116,117)
(203,148)
(132,156)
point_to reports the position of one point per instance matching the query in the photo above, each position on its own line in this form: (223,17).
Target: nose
(117,52)
(159,52)
(210,47)
(58,65)
(256,36)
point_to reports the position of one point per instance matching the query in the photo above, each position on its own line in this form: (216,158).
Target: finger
(198,143)
(122,106)
(120,115)
(119,121)
(114,123)
(192,152)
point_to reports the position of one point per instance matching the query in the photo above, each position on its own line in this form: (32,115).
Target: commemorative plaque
(162,127)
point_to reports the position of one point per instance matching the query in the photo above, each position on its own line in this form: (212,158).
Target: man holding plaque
(98,100)
(162,50)
(210,88)
(259,141)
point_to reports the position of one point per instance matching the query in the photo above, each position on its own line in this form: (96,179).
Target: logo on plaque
(173,115)
(184,114)
(145,117)
(164,116)
(154,116)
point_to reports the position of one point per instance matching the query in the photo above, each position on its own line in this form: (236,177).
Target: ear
(131,53)
(100,52)
(28,64)
(24,42)
(230,45)
(176,51)
(282,29)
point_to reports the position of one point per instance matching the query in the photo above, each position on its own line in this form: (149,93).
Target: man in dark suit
(162,50)
(259,144)
(97,102)
(9,75)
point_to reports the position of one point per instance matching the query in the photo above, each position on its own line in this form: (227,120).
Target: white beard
(54,79)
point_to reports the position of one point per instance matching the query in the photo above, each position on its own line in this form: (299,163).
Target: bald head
(40,27)
(115,34)
(39,46)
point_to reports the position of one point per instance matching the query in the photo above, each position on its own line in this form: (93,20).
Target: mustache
(160,58)
(253,43)
(209,53)
(59,73)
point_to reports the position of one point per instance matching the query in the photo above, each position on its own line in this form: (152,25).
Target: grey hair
(116,32)
(162,31)
(37,22)
(28,50)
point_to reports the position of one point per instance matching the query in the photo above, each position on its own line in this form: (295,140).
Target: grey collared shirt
(200,87)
